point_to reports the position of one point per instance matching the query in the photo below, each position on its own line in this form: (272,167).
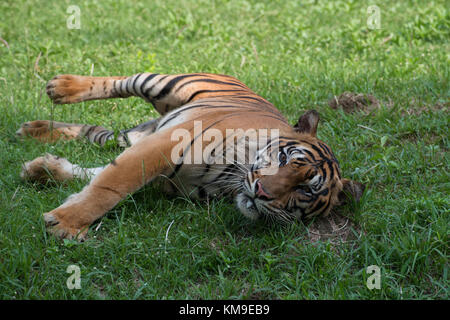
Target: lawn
(298,55)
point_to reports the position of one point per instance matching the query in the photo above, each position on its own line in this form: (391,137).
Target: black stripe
(150,77)
(147,92)
(208,106)
(288,151)
(89,131)
(260,103)
(325,208)
(126,86)
(226,171)
(94,137)
(319,204)
(177,168)
(330,165)
(318,151)
(211,81)
(134,83)
(176,114)
(100,135)
(169,86)
(315,148)
(273,117)
(125,137)
(310,174)
(324,192)
(324,175)
(309,200)
(326,148)
(117,91)
(109,189)
(206,91)
(256,98)
(290,143)
(109,135)
(326,159)
(310,154)
(299,164)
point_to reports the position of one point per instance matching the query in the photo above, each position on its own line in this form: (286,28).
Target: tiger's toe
(57,226)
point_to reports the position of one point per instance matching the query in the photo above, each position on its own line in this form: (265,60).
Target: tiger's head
(307,181)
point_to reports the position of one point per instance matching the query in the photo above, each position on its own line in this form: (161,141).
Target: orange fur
(220,102)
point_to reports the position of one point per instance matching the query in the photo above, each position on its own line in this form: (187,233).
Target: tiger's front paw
(68,88)
(47,168)
(63,225)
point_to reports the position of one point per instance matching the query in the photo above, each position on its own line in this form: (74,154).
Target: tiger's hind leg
(51,131)
(165,92)
(53,168)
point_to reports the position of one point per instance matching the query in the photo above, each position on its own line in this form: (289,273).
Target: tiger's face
(307,181)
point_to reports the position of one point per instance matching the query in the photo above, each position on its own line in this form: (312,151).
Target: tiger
(305,181)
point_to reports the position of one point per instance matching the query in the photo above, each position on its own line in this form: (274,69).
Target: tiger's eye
(282,158)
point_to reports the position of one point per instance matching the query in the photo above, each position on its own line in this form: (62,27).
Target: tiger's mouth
(247,206)
(254,203)
(248,201)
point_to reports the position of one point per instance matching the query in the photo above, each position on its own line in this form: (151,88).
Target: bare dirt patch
(414,110)
(352,102)
(334,227)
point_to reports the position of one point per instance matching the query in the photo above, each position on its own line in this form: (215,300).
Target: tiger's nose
(261,193)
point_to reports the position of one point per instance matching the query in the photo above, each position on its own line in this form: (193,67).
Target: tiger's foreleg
(135,167)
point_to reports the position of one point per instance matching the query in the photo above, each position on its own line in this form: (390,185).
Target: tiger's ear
(308,123)
(352,191)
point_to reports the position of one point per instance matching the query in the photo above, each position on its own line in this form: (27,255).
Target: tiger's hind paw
(47,168)
(49,131)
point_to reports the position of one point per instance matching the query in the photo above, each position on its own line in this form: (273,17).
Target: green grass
(297,54)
